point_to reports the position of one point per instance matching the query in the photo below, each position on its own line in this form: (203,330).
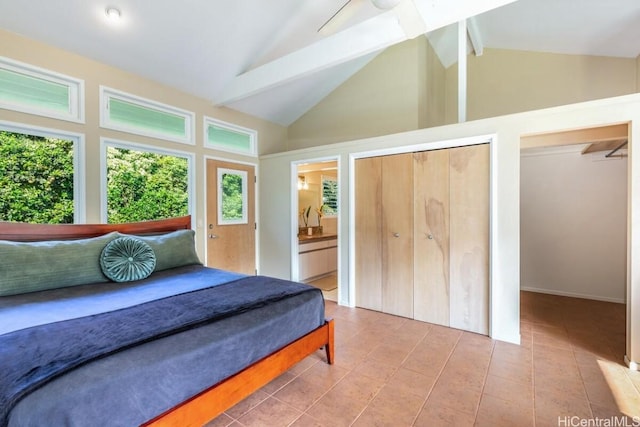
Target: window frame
(334,179)
(128,145)
(245,197)
(107,93)
(74,85)
(251,133)
(79,174)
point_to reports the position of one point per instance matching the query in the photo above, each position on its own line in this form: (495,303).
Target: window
(231,138)
(38,179)
(37,91)
(330,195)
(232,196)
(142,183)
(128,113)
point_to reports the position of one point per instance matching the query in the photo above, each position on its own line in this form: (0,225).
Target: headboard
(24,232)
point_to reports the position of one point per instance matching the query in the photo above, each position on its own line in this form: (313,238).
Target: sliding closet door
(368,225)
(469,234)
(397,234)
(431,241)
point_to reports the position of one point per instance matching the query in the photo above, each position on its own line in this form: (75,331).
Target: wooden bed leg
(329,346)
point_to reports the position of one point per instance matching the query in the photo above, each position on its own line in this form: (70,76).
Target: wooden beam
(576,136)
(408,20)
(462,71)
(474,36)
(369,36)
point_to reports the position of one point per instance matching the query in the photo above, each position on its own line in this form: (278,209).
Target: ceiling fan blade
(341,16)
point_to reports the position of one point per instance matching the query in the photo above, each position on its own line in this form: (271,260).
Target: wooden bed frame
(219,397)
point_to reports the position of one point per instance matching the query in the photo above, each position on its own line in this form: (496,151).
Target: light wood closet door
(431,241)
(397,234)
(368,245)
(469,231)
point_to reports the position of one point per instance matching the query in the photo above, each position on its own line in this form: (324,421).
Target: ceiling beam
(409,19)
(369,36)
(474,36)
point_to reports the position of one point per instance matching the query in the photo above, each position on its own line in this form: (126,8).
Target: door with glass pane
(231,224)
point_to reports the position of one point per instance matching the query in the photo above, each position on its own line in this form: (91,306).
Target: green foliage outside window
(145,186)
(36,179)
(232,197)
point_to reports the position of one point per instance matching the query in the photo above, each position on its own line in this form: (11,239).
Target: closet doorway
(573,218)
(422,235)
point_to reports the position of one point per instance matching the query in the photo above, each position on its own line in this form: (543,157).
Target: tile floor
(392,371)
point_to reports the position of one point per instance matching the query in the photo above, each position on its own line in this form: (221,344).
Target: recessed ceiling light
(113,14)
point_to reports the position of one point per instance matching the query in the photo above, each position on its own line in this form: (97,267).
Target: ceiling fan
(349,9)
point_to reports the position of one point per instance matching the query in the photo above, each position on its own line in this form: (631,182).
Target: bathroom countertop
(316,237)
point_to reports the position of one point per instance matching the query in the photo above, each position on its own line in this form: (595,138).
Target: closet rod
(617,148)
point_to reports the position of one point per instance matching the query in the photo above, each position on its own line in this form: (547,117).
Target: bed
(176,347)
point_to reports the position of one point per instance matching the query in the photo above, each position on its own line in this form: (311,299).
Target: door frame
(295,267)
(201,222)
(490,139)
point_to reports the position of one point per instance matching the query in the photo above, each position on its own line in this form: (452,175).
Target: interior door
(431,239)
(231,226)
(469,238)
(397,234)
(368,198)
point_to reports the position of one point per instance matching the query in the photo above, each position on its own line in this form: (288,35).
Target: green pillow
(173,249)
(37,266)
(126,259)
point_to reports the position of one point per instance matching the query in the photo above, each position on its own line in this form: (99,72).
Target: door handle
(396,234)
(213,236)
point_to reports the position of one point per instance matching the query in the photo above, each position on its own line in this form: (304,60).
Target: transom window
(128,113)
(230,138)
(34,90)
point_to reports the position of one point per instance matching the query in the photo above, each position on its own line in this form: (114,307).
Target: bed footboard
(214,401)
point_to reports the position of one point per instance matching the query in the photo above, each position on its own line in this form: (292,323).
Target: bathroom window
(330,195)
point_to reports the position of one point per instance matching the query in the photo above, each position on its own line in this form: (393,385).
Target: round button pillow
(126,259)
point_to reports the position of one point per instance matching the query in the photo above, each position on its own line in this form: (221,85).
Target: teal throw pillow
(126,259)
(175,249)
(39,266)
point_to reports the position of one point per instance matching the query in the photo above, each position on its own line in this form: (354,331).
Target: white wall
(279,221)
(573,223)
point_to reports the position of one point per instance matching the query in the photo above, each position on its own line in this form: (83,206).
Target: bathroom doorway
(317,225)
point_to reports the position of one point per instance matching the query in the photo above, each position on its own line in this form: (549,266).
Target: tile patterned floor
(392,371)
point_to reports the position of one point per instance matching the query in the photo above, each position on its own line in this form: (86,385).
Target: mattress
(138,383)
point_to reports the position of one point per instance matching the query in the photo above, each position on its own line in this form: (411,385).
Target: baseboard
(572,294)
(631,364)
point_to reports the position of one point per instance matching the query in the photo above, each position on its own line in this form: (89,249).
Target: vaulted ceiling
(269,59)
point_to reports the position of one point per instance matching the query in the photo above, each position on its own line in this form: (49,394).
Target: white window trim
(127,145)
(253,137)
(245,206)
(107,93)
(334,179)
(76,91)
(79,175)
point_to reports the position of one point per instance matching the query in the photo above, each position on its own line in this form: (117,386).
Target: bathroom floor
(329,286)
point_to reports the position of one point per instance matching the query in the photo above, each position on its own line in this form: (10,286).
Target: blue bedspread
(33,356)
